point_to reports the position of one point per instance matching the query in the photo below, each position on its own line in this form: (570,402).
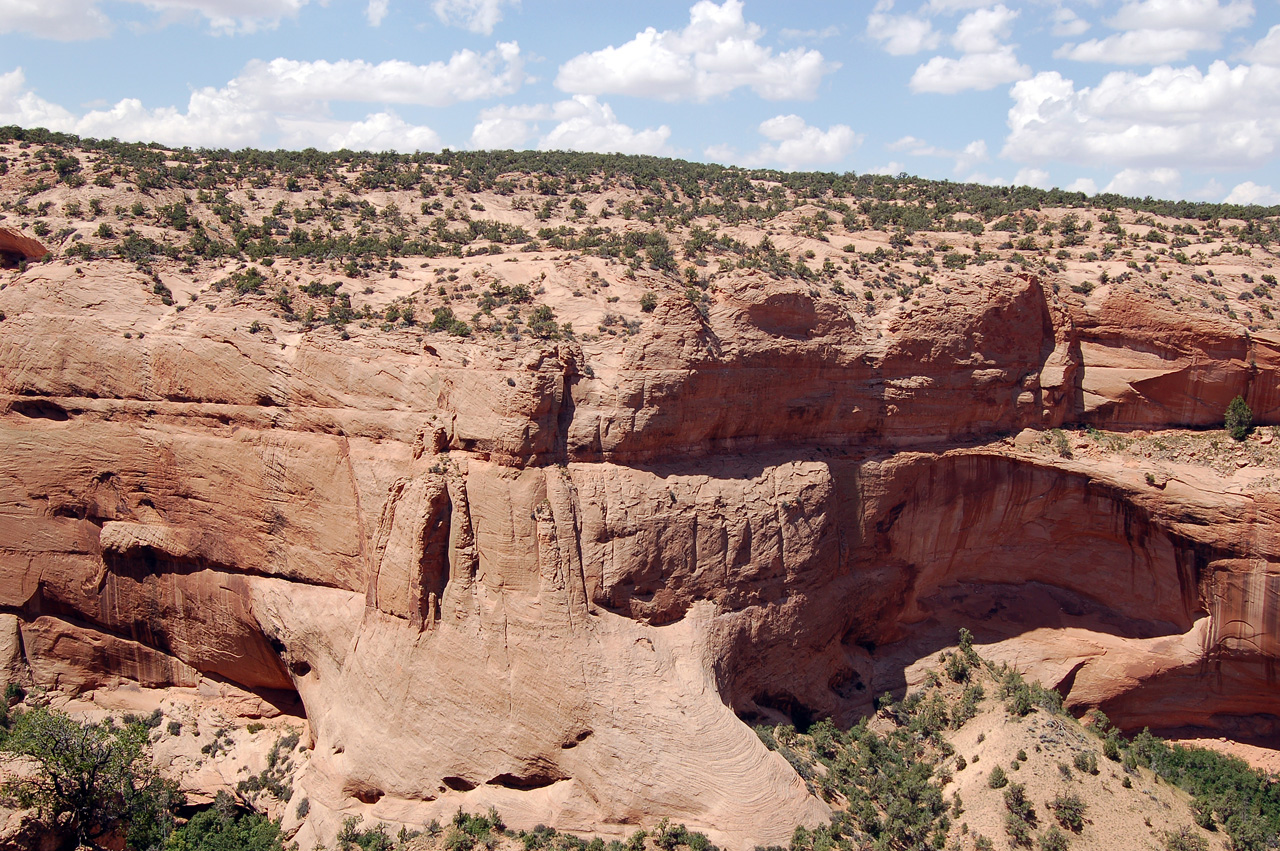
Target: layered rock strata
(558,578)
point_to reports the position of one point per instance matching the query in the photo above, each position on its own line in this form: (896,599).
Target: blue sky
(1172,98)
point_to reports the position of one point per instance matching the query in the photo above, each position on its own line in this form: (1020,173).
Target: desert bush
(1086,762)
(1053,839)
(95,778)
(1238,419)
(1016,802)
(1185,839)
(224,827)
(1019,831)
(1069,810)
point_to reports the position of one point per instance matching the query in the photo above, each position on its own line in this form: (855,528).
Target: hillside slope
(526,480)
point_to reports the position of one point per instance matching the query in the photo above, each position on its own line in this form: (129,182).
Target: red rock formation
(14,248)
(506,574)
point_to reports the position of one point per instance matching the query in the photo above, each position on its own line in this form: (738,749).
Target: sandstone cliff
(558,575)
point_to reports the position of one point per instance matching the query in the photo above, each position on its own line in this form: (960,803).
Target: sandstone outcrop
(14,248)
(557,577)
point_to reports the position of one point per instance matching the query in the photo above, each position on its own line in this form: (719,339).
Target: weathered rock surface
(14,248)
(557,577)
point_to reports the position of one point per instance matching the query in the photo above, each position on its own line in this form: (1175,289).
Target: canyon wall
(558,577)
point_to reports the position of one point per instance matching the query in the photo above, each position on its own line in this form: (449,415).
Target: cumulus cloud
(1083,184)
(376,11)
(793,144)
(62,20)
(826,32)
(479,16)
(70,20)
(278,102)
(981,71)
(1251,193)
(1267,50)
(891,167)
(901,35)
(1036,177)
(983,31)
(1183,15)
(585,124)
(1141,47)
(508,127)
(581,123)
(21,106)
(947,7)
(214,117)
(384,131)
(718,52)
(1223,117)
(986,62)
(965,159)
(1067,23)
(1160,182)
(466,76)
(1154,31)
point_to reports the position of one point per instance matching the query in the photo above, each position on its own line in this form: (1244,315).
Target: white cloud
(1141,47)
(891,167)
(1267,50)
(214,117)
(585,124)
(508,127)
(376,11)
(479,16)
(984,30)
(1212,190)
(278,102)
(979,71)
(989,180)
(718,51)
(466,76)
(1182,15)
(972,154)
(384,131)
(1160,182)
(1036,177)
(19,105)
(63,20)
(1083,184)
(582,123)
(1225,117)
(793,145)
(902,34)
(947,7)
(1155,31)
(1067,23)
(229,16)
(810,35)
(1251,193)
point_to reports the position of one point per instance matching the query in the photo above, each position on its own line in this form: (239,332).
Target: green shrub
(1019,831)
(1069,810)
(95,777)
(998,779)
(1015,801)
(1053,839)
(1239,418)
(223,827)
(1185,839)
(1086,762)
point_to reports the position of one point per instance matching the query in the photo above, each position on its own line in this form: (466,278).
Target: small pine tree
(1239,418)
